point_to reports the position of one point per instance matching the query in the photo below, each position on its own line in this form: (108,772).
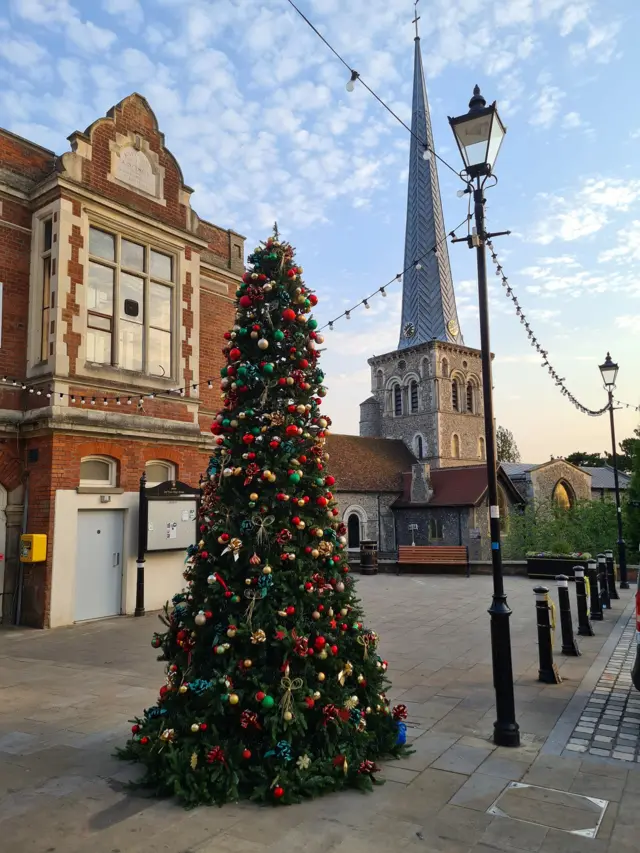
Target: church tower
(428,391)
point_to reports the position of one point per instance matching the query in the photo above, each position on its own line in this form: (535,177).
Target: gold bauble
(195,727)
(233,698)
(288,716)
(321,676)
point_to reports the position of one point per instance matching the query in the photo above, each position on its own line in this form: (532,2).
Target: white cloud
(571,120)
(629,321)
(22,52)
(627,249)
(61,15)
(546,106)
(587,211)
(600,45)
(129,11)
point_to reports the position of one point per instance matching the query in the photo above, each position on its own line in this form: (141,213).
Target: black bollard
(594,593)
(569,642)
(585,629)
(548,671)
(604,584)
(611,574)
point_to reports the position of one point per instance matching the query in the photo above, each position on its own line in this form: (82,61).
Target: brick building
(115,296)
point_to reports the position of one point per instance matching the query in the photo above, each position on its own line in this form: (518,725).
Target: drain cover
(547,807)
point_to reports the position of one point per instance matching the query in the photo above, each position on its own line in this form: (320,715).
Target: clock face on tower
(452,326)
(409,330)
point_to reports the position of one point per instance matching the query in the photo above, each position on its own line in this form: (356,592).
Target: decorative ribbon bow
(216,754)
(365,641)
(252,595)
(234,546)
(289,685)
(263,525)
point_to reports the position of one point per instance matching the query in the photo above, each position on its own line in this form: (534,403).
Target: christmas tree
(274,688)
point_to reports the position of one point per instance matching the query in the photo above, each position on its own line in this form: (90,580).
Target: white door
(99,564)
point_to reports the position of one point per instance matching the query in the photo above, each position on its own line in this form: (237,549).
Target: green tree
(586,526)
(592,460)
(506,446)
(632,508)
(627,449)
(274,688)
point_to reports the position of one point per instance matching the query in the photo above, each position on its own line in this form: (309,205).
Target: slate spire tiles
(428,300)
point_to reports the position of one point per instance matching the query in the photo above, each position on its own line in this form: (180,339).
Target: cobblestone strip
(610,723)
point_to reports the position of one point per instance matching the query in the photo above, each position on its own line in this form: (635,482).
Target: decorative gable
(135,166)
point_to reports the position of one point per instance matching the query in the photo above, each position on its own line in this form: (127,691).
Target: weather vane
(417,18)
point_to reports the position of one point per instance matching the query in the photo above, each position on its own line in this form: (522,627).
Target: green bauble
(312,324)
(243,331)
(242,372)
(268,702)
(295,477)
(278,335)
(225,422)
(267,368)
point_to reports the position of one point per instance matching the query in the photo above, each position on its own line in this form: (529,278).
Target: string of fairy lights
(535,343)
(382,290)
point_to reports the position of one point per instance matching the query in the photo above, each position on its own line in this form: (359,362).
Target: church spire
(428,301)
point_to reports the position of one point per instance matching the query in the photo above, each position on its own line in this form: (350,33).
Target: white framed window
(130,304)
(158,471)
(98,471)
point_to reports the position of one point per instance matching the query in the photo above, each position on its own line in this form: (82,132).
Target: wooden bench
(433,555)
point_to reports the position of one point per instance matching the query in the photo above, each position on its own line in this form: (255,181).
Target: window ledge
(99,490)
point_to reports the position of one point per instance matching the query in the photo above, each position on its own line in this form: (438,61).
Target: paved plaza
(66,696)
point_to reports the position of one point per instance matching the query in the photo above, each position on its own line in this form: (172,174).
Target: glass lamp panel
(495,140)
(473,136)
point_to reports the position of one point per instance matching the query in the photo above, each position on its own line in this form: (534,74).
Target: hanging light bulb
(418,266)
(426,153)
(347,314)
(351,85)
(383,291)
(365,303)
(331,325)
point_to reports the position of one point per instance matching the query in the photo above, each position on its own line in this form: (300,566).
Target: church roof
(466,485)
(603,478)
(428,300)
(362,464)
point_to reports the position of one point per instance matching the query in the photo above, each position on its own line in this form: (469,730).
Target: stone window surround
(103,485)
(355,509)
(170,467)
(34,344)
(127,231)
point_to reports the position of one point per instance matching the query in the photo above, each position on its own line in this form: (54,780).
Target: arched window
(98,471)
(455,446)
(419,447)
(470,397)
(379,379)
(159,471)
(455,395)
(444,364)
(481,449)
(413,396)
(563,495)
(425,368)
(353,531)
(397,400)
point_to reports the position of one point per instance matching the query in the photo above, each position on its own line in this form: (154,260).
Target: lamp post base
(506,731)
(622,562)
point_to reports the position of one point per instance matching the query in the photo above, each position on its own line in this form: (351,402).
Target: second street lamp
(479,134)
(609,373)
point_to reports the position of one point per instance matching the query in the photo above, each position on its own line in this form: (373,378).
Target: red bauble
(290,610)
(291,408)
(245,301)
(282,381)
(313,299)
(278,792)
(203,727)
(216,429)
(344,627)
(295,519)
(310,702)
(303,363)
(334,650)
(260,695)
(292,429)
(135,729)
(144,740)
(329,480)
(251,455)
(320,642)
(227,336)
(246,754)
(291,273)
(224,537)
(273,444)
(308,584)
(307,549)
(288,314)
(248,438)
(235,354)
(322,501)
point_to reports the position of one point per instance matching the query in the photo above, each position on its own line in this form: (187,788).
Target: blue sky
(254,107)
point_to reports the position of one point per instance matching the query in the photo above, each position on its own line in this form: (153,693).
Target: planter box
(550,567)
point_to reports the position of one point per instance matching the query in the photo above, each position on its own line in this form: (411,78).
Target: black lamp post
(479,134)
(609,371)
